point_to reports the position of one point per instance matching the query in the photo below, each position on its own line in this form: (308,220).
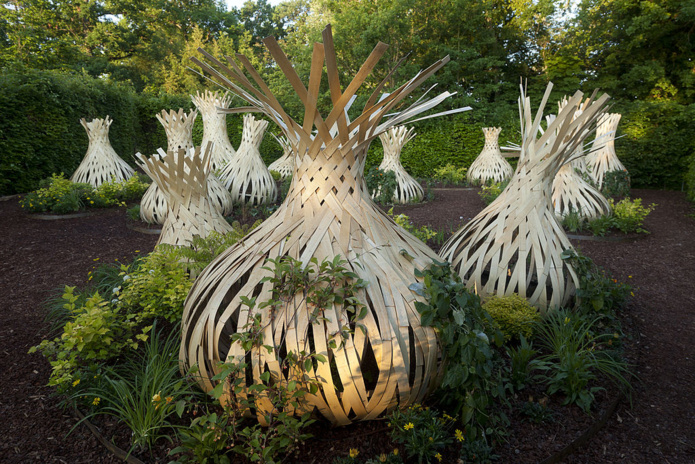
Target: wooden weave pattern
(604,159)
(101,163)
(515,244)
(246,176)
(408,189)
(571,193)
(490,165)
(182,180)
(215,126)
(285,164)
(179,129)
(326,213)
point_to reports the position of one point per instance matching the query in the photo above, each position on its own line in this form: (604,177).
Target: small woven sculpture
(327,212)
(215,126)
(182,179)
(101,163)
(285,164)
(179,129)
(246,176)
(515,244)
(604,159)
(490,165)
(571,193)
(408,189)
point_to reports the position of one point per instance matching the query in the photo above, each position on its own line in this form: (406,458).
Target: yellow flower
(157,397)
(96,259)
(96,401)
(459,435)
(632,293)
(567,320)
(169,399)
(395,451)
(408,426)
(353,453)
(76,383)
(629,277)
(137,251)
(91,202)
(382,458)
(439,457)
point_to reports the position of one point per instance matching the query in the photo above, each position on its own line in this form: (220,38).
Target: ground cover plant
(61,196)
(627,216)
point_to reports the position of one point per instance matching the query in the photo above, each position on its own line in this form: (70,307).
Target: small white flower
(151,271)
(126,277)
(114,301)
(116,289)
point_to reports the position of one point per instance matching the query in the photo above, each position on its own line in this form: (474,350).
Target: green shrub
(512,314)
(382,185)
(472,379)
(422,432)
(450,174)
(424,233)
(601,225)
(616,184)
(573,221)
(97,332)
(630,214)
(491,191)
(276,176)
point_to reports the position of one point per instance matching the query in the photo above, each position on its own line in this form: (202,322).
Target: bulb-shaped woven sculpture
(408,189)
(285,164)
(571,193)
(215,126)
(515,244)
(327,213)
(490,165)
(604,159)
(101,163)
(246,176)
(179,129)
(182,178)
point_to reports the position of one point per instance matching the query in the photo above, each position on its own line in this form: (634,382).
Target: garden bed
(39,257)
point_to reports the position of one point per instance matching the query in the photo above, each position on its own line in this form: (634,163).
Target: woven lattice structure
(246,176)
(515,244)
(408,189)
(179,129)
(490,165)
(571,193)
(215,126)
(182,178)
(327,213)
(604,159)
(101,163)
(285,164)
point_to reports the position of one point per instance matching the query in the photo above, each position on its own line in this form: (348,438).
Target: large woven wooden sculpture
(571,193)
(327,213)
(514,245)
(285,164)
(215,126)
(246,176)
(182,178)
(101,163)
(408,189)
(179,129)
(490,165)
(604,159)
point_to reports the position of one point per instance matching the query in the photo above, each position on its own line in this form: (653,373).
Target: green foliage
(450,175)
(133,213)
(276,176)
(597,291)
(522,363)
(41,127)
(145,392)
(382,185)
(472,379)
(491,191)
(61,196)
(424,233)
(576,356)
(512,314)
(630,214)
(95,333)
(537,412)
(204,441)
(601,225)
(616,184)
(422,432)
(573,221)
(690,180)
(284,188)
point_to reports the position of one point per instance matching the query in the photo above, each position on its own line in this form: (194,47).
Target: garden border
(598,238)
(115,450)
(142,230)
(53,217)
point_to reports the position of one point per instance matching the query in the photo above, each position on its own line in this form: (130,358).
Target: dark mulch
(39,256)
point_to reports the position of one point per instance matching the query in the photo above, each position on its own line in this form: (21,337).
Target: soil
(40,256)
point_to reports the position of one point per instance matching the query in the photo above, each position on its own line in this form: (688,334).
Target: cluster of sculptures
(512,246)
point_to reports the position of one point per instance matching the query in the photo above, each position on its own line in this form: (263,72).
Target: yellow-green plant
(513,315)
(424,233)
(450,174)
(630,214)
